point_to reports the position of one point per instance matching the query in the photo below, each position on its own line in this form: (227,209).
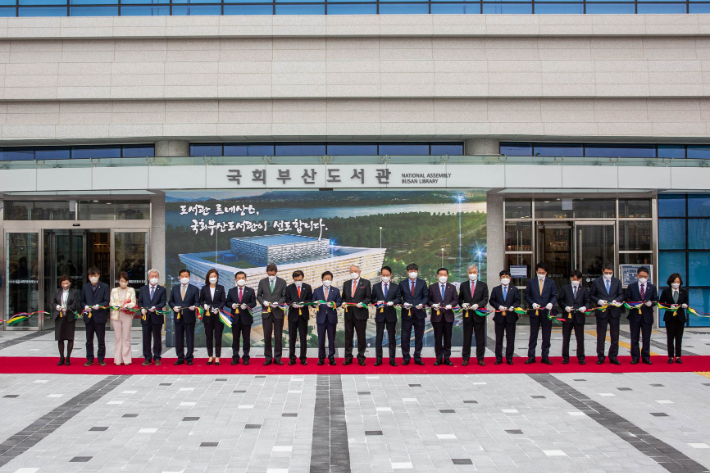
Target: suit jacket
(667,299)
(480,296)
(159,300)
(567,299)
(548,296)
(450,298)
(101,297)
(263,293)
(633,294)
(363,293)
(192,298)
(386,313)
(598,292)
(220,298)
(326,313)
(116,301)
(74,306)
(248,297)
(512,299)
(292,297)
(421,296)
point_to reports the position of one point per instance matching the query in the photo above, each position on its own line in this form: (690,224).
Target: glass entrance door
(594,247)
(130,256)
(554,247)
(64,253)
(22,287)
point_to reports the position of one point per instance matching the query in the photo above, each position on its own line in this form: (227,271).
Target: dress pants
(613,323)
(442,339)
(638,328)
(474,324)
(509,329)
(100,330)
(297,330)
(674,334)
(391,339)
(122,331)
(330,330)
(154,331)
(244,331)
(418,325)
(355,326)
(535,323)
(567,328)
(184,333)
(213,334)
(273,327)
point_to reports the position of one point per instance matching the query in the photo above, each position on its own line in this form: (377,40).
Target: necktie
(298,288)
(412,288)
(505,293)
(643,292)
(325,292)
(386,290)
(240,294)
(473,288)
(541,284)
(152,292)
(574,292)
(607,286)
(443,288)
(354,287)
(182,292)
(272,286)
(675,296)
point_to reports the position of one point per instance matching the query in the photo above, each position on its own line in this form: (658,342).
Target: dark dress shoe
(267,362)
(246,362)
(678,360)
(146,363)
(546,362)
(615,362)
(61,362)
(530,361)
(405,362)
(647,362)
(347,362)
(157,362)
(437,363)
(278,362)
(393,363)
(419,362)
(600,362)
(378,362)
(564,362)
(189,363)
(332,363)
(179,362)
(582,362)
(89,363)
(499,362)
(481,363)
(216,363)
(304,362)
(464,363)
(670,361)
(448,363)
(68,362)
(321,362)
(234,362)
(361,362)
(209,362)
(634,362)
(292,362)
(102,363)
(510,362)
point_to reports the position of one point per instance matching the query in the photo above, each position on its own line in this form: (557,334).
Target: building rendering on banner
(318,135)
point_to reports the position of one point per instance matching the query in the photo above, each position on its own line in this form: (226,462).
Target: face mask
(541,277)
(299,283)
(184,280)
(213,280)
(94,279)
(123,285)
(154,281)
(473,277)
(505,281)
(608,276)
(241,283)
(643,280)
(413,275)
(675,285)
(385,279)
(575,283)
(272,278)
(66,286)
(354,275)
(443,279)
(327,283)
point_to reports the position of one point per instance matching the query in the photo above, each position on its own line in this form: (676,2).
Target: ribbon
(226,318)
(21,317)
(199,311)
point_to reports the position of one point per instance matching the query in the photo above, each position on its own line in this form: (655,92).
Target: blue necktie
(152,291)
(443,288)
(505,293)
(607,286)
(386,290)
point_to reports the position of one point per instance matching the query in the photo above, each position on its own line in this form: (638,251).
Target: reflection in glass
(699,205)
(114,210)
(518,208)
(634,236)
(699,262)
(671,234)
(39,210)
(518,236)
(698,233)
(22,286)
(635,208)
(671,205)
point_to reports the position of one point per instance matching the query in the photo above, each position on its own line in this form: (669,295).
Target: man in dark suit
(326,316)
(472,295)
(271,293)
(641,319)
(95,294)
(574,300)
(415,295)
(386,295)
(541,296)
(152,298)
(184,298)
(296,295)
(505,298)
(607,290)
(241,299)
(442,298)
(357,291)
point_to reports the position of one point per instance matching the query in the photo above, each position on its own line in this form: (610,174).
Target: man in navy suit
(357,291)
(415,295)
(607,290)
(541,296)
(386,294)
(152,298)
(184,298)
(641,319)
(296,295)
(472,295)
(240,300)
(326,316)
(505,298)
(95,294)
(442,297)
(574,300)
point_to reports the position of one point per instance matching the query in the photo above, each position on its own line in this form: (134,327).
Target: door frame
(589,223)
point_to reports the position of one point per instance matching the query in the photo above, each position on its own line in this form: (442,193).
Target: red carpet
(49,365)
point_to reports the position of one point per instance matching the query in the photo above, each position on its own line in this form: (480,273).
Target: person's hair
(326,273)
(297,273)
(542,266)
(387,268)
(94,270)
(576,274)
(184,270)
(238,273)
(271,267)
(471,266)
(442,269)
(354,266)
(673,277)
(609,265)
(412,266)
(642,269)
(123,275)
(64,277)
(207,276)
(505,272)
(151,271)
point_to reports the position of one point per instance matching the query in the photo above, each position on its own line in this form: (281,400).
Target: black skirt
(64,328)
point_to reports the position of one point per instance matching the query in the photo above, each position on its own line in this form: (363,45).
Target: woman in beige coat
(122,320)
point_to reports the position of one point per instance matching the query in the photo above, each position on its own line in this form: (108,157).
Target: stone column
(157,235)
(172,148)
(495,236)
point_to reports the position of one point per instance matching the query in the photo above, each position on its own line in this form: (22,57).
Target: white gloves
(143,311)
(243,307)
(649,303)
(266,303)
(361,305)
(448,307)
(568,309)
(96,307)
(234,306)
(582,309)
(419,306)
(548,307)
(176,308)
(685,306)
(601,302)
(390,303)
(511,308)
(535,306)
(207,307)
(192,307)
(214,311)
(474,306)
(152,309)
(59,308)
(407,305)
(435,306)
(86,307)
(500,307)
(613,302)
(465,305)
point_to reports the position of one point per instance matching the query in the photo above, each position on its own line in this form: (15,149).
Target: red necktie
(240,294)
(354,286)
(643,291)
(412,288)
(299,291)
(473,288)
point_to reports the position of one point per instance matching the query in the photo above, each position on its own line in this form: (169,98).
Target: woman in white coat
(122,320)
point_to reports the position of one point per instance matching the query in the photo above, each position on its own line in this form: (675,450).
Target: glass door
(554,247)
(594,247)
(130,256)
(64,254)
(22,286)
